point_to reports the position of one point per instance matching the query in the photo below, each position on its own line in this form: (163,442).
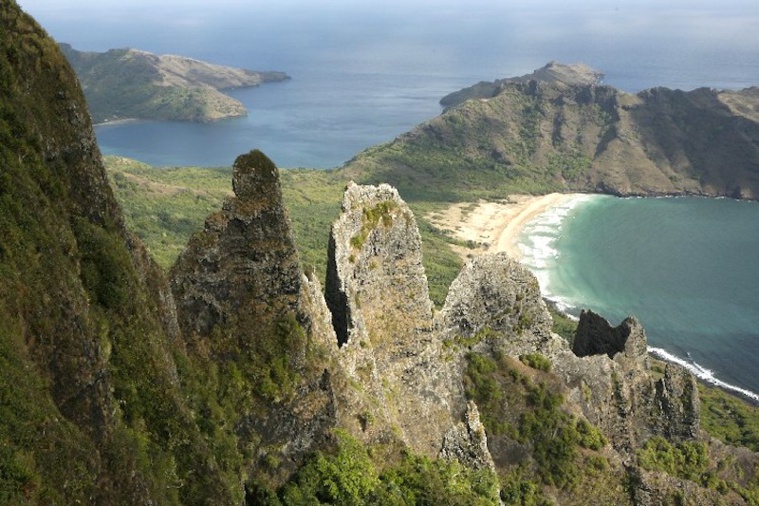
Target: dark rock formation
(595,336)
(243,268)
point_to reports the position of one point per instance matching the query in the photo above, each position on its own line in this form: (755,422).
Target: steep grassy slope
(538,136)
(92,406)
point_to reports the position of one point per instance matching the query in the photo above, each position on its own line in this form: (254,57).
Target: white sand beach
(494,226)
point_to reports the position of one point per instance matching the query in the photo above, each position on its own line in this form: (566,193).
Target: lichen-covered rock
(677,407)
(382,314)
(467,442)
(497,296)
(242,269)
(376,285)
(242,297)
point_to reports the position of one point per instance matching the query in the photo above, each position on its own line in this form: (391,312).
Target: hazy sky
(399,33)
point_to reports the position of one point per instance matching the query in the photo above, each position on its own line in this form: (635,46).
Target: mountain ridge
(530,135)
(225,382)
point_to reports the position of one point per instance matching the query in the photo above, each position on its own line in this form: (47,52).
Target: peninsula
(132,84)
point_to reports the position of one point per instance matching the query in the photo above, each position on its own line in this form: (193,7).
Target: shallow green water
(685,267)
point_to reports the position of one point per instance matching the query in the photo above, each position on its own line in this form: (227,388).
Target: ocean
(685,267)
(363,73)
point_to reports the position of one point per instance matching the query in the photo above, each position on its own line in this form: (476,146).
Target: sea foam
(702,373)
(537,243)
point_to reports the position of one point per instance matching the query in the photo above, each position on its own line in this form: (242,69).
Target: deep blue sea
(365,72)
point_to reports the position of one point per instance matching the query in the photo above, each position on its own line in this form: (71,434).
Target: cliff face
(244,303)
(558,129)
(93,410)
(377,293)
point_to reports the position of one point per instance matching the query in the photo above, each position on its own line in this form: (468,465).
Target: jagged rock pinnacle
(595,336)
(244,262)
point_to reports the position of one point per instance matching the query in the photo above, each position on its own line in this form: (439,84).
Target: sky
(405,34)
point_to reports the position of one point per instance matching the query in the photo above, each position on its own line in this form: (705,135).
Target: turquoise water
(685,267)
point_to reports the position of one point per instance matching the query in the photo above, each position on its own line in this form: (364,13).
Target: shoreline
(120,121)
(492,227)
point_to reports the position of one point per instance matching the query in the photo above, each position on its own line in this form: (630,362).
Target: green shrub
(729,418)
(688,460)
(536,361)
(348,476)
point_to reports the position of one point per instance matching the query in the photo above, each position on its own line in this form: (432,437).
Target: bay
(363,73)
(685,267)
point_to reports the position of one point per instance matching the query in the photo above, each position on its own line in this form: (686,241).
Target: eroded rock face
(496,296)
(620,393)
(377,292)
(376,285)
(244,266)
(241,295)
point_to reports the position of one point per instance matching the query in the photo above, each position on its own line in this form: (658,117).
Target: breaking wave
(702,373)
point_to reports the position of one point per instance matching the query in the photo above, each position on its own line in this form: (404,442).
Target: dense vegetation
(352,475)
(521,407)
(729,418)
(102,402)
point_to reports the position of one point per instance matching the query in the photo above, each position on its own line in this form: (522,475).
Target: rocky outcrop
(377,292)
(494,306)
(595,336)
(243,268)
(495,296)
(621,393)
(376,285)
(242,296)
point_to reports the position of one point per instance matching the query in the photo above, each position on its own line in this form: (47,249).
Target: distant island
(132,84)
